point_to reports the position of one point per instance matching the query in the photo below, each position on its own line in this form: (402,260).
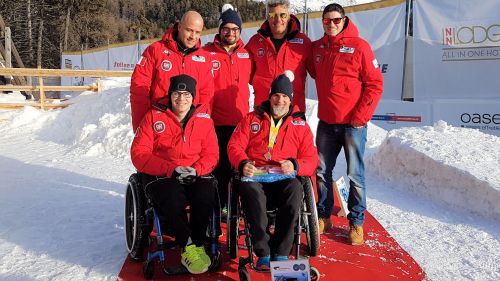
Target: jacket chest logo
(159,127)
(255,127)
(198,58)
(348,50)
(166,65)
(317,59)
(261,52)
(243,55)
(297,41)
(215,65)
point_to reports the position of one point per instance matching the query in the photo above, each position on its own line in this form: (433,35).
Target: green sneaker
(203,255)
(193,261)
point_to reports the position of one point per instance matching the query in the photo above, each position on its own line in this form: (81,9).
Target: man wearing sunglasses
(178,52)
(349,85)
(279,45)
(231,67)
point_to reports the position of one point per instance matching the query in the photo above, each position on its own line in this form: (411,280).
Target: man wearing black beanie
(231,67)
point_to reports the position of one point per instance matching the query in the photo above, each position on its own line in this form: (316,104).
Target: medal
(268,155)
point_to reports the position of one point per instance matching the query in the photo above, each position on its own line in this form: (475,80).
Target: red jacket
(231,78)
(268,64)
(348,80)
(160,143)
(294,141)
(160,61)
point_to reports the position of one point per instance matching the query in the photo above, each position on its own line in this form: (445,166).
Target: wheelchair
(307,223)
(141,217)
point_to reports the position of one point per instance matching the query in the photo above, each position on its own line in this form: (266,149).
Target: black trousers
(286,195)
(170,199)
(223,170)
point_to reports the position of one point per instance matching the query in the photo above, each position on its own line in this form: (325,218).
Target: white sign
(456,48)
(342,191)
(297,270)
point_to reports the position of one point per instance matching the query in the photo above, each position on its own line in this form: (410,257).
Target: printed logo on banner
(471,42)
(159,127)
(255,127)
(166,65)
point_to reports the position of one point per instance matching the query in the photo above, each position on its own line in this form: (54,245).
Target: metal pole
(407,30)
(139,45)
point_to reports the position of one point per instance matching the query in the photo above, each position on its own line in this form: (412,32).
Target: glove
(186,175)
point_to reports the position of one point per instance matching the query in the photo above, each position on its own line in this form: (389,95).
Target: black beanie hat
(229,15)
(182,82)
(283,84)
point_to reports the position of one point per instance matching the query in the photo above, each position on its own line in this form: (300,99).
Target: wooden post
(8,53)
(42,92)
(98,84)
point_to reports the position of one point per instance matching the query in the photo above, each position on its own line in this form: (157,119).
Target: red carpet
(381,258)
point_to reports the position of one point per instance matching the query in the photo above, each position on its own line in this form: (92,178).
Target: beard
(229,40)
(279,110)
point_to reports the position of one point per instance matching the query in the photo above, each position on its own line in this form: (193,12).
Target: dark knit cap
(182,82)
(283,84)
(229,15)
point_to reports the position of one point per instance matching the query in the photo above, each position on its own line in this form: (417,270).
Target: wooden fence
(40,73)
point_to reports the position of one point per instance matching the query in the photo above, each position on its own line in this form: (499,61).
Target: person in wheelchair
(273,137)
(174,147)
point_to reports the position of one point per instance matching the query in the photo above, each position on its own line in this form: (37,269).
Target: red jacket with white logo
(269,64)
(348,79)
(294,141)
(231,78)
(161,144)
(160,61)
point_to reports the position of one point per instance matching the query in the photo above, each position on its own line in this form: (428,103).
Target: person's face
(280,104)
(333,22)
(190,32)
(278,18)
(181,101)
(230,34)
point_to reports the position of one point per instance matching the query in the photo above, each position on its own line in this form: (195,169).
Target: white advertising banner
(456,49)
(384,28)
(123,58)
(481,115)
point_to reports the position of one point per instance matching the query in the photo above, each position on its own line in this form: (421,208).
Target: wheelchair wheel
(314,274)
(310,219)
(243,274)
(232,224)
(148,270)
(136,221)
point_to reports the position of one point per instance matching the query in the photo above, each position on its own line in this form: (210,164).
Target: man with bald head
(178,52)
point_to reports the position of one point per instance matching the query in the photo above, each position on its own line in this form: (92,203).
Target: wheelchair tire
(136,221)
(148,270)
(311,219)
(232,224)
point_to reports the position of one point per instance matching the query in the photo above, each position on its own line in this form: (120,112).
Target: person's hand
(249,169)
(287,166)
(186,175)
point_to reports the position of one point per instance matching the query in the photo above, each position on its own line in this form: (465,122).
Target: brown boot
(324,225)
(356,234)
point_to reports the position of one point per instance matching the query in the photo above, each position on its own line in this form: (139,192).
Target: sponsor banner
(71,62)
(123,58)
(457,47)
(481,115)
(396,114)
(387,43)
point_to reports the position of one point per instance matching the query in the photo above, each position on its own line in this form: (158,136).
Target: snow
(435,189)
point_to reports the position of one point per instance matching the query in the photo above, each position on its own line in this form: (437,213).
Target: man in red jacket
(231,67)
(349,85)
(174,147)
(279,45)
(177,53)
(275,135)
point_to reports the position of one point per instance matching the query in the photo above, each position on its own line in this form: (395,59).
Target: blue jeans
(330,139)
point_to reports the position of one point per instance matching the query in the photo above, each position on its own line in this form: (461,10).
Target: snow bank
(443,163)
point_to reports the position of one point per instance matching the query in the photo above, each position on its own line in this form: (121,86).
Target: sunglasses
(327,21)
(228,30)
(274,15)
